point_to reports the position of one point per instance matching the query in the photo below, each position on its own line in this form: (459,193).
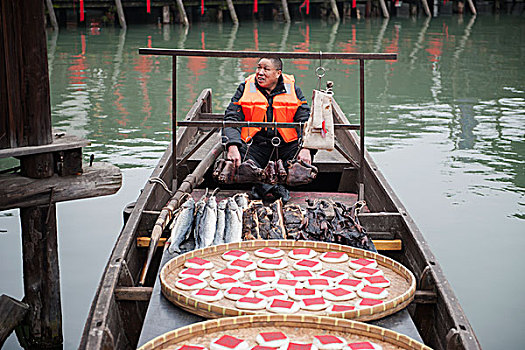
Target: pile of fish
(237,218)
(344,228)
(208,222)
(296,173)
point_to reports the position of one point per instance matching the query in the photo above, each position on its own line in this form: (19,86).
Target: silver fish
(233,222)
(208,223)
(221,221)
(199,211)
(242,200)
(181,229)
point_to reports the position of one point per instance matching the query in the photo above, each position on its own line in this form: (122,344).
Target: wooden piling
(286,12)
(24,97)
(25,129)
(52,16)
(335,10)
(426,8)
(120,12)
(165,14)
(472,7)
(233,14)
(182,13)
(384,9)
(41,276)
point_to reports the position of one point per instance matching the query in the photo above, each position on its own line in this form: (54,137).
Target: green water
(445,123)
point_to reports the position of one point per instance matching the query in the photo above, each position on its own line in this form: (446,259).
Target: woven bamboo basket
(401,290)
(298,328)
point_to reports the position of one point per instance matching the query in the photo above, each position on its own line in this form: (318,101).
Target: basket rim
(206,309)
(314,321)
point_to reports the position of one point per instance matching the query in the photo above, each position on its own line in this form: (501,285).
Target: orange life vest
(254,106)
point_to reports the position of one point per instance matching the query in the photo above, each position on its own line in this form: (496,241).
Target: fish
(242,200)
(277,230)
(199,211)
(233,222)
(221,221)
(208,223)
(181,229)
(250,223)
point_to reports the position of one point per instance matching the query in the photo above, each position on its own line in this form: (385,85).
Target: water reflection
(434,87)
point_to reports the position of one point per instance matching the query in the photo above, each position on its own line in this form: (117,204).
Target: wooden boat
(120,305)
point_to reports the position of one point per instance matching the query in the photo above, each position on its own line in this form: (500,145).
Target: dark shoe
(262,191)
(279,191)
(255,193)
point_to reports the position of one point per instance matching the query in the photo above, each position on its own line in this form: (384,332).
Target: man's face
(266,74)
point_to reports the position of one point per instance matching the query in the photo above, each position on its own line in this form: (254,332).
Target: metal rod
(174,123)
(232,124)
(257,54)
(362,127)
(346,156)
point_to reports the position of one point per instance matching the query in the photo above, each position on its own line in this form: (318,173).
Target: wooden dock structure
(50,171)
(166,11)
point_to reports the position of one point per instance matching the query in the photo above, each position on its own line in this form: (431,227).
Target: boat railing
(361,57)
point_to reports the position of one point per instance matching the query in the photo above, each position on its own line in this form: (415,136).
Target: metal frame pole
(174,123)
(362,128)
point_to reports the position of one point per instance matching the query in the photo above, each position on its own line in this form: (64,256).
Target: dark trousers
(262,152)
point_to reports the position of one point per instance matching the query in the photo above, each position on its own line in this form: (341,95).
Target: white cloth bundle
(319,130)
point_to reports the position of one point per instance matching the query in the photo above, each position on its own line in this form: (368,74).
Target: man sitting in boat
(266,96)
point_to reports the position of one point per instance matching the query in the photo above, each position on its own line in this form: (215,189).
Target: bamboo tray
(401,291)
(298,328)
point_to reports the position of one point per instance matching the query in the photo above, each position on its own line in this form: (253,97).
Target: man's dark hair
(276,61)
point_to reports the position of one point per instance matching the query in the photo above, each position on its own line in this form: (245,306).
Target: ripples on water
(452,108)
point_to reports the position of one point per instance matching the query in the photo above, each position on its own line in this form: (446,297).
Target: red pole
(255,7)
(202,7)
(148,6)
(81,10)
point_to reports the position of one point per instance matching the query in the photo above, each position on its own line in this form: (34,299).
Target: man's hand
(305,156)
(234,155)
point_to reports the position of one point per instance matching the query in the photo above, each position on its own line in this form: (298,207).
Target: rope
(161,182)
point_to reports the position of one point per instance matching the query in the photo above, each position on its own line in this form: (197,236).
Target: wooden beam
(472,7)
(335,10)
(12,312)
(381,244)
(388,244)
(286,12)
(133,293)
(26,110)
(41,276)
(182,13)
(384,9)
(233,14)
(52,16)
(143,242)
(425,297)
(120,12)
(60,143)
(17,191)
(426,8)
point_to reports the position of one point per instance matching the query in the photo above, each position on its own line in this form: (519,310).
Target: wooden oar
(186,187)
